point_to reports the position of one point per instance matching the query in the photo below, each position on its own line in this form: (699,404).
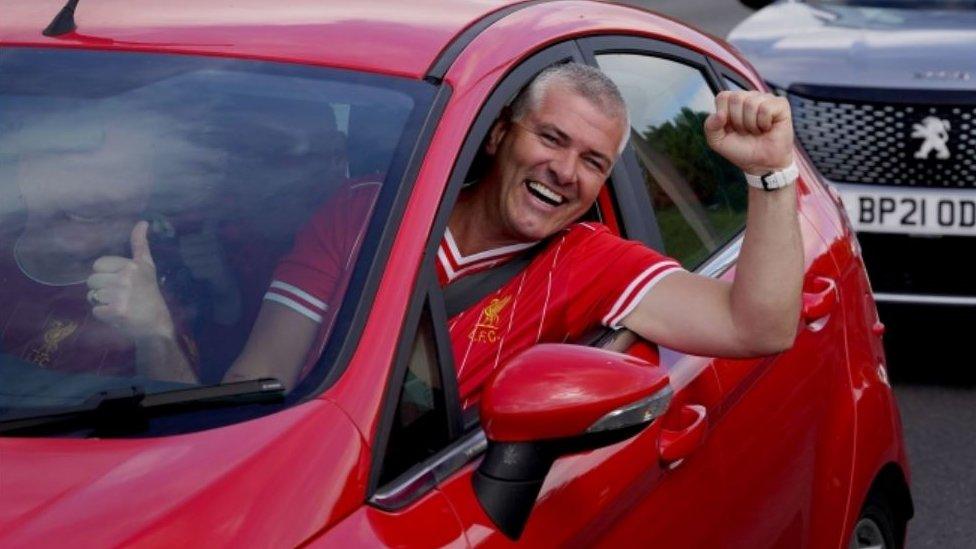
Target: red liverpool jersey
(583,278)
(312,278)
(53,327)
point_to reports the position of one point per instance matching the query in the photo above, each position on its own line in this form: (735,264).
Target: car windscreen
(170,221)
(900,4)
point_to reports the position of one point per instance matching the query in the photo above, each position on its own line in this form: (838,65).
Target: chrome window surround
(883,297)
(723,260)
(644,410)
(422,478)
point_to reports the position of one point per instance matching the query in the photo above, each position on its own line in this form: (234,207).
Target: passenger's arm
(758,313)
(277,347)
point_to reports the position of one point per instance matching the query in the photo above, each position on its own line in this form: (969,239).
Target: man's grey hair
(589,82)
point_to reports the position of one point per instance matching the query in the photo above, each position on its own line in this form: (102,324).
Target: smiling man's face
(550,164)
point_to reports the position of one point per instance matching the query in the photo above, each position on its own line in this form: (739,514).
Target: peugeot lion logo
(935,132)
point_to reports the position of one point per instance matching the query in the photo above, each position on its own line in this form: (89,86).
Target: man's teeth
(545,193)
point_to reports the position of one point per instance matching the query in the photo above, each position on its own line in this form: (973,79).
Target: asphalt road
(712,16)
(931,360)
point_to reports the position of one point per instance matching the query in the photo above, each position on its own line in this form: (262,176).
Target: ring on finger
(92,298)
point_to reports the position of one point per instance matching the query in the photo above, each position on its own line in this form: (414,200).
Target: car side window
(420,423)
(699,198)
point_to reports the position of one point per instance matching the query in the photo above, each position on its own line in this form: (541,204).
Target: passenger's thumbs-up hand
(751,129)
(123,291)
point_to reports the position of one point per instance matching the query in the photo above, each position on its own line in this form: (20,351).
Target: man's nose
(564,166)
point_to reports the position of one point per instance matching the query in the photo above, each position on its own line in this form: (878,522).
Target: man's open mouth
(544,193)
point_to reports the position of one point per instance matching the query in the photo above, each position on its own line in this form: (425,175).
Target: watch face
(772,180)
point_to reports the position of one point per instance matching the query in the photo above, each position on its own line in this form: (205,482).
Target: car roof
(385,36)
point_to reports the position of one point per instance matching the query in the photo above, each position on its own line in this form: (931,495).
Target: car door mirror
(553,400)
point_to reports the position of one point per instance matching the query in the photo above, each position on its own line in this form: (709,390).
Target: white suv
(884,102)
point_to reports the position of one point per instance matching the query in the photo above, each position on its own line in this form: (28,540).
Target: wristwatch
(774,180)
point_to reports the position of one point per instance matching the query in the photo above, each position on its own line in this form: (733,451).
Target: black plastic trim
(601,45)
(722,70)
(884,95)
(449,54)
(394,381)
(374,272)
(445,355)
(414,483)
(64,21)
(508,481)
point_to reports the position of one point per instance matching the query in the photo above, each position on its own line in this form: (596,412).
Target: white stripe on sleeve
(295,306)
(643,284)
(298,292)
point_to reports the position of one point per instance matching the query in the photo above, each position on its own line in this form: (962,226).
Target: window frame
(464,446)
(626,193)
(723,71)
(427,307)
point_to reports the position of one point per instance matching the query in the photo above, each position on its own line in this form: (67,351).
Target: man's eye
(549,138)
(595,164)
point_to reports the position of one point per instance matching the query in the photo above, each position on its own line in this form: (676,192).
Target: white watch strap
(774,180)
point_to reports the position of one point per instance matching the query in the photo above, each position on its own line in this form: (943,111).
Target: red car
(226,124)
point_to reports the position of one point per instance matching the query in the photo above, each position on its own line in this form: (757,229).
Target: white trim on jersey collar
(461,260)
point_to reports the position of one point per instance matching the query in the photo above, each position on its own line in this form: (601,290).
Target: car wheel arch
(890,484)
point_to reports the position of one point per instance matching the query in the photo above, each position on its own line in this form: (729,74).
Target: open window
(401,477)
(699,198)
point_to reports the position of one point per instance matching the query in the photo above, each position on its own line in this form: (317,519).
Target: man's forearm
(766,292)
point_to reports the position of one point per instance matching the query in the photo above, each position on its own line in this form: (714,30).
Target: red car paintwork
(157,491)
(530,400)
(301,476)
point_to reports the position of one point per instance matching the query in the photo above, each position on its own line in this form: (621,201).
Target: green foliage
(718,185)
(712,177)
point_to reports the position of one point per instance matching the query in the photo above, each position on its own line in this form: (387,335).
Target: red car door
(621,495)
(787,421)
(785,425)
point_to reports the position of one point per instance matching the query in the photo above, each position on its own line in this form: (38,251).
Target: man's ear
(498,131)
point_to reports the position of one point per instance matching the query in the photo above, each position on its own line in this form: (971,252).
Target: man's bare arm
(758,312)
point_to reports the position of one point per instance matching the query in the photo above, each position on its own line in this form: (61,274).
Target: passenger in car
(84,182)
(550,154)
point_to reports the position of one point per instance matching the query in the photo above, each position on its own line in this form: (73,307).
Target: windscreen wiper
(126,409)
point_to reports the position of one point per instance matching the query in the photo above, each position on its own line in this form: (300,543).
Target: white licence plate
(915,211)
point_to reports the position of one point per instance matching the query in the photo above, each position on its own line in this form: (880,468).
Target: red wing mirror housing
(553,400)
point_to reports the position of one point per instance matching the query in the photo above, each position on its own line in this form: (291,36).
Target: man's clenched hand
(751,129)
(124,293)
